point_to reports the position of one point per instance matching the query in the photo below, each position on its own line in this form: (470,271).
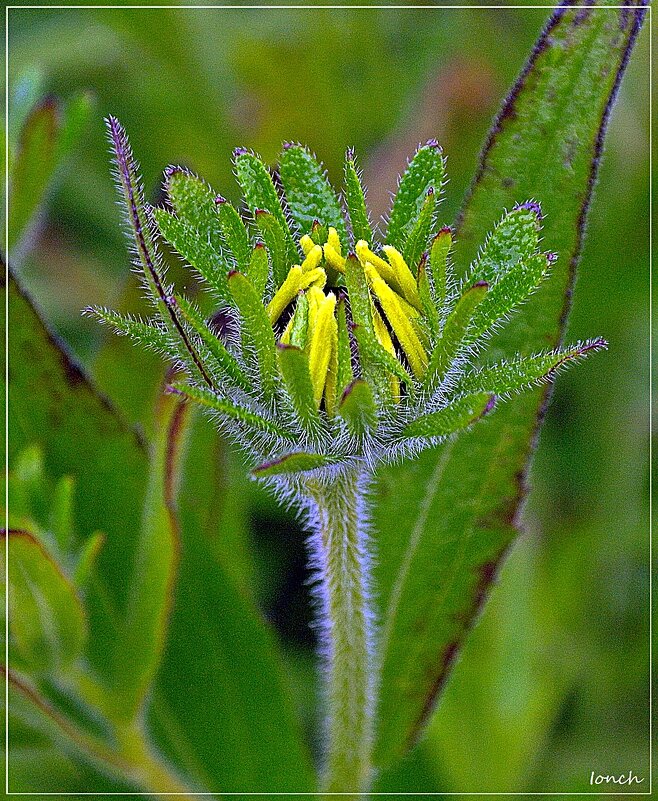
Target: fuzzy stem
(339,552)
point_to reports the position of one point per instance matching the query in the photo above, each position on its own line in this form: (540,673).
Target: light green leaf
(46,620)
(258,269)
(293,364)
(295,463)
(355,200)
(309,194)
(460,503)
(257,332)
(275,240)
(235,233)
(419,235)
(460,414)
(357,408)
(194,203)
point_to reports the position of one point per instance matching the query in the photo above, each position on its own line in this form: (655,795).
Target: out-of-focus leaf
(46,620)
(152,575)
(546,145)
(222,705)
(52,404)
(49,132)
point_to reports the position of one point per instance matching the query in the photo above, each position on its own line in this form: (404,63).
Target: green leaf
(275,240)
(147,335)
(235,233)
(355,200)
(460,414)
(514,239)
(293,463)
(523,372)
(223,670)
(439,265)
(460,502)
(206,397)
(257,332)
(509,292)
(259,269)
(379,358)
(419,235)
(453,336)
(425,171)
(49,133)
(345,374)
(224,361)
(299,330)
(357,408)
(426,295)
(293,364)
(309,194)
(140,644)
(260,193)
(46,620)
(194,203)
(81,436)
(196,251)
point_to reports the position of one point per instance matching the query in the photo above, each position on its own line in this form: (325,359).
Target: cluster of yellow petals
(390,281)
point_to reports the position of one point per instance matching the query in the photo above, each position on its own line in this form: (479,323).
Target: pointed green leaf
(293,364)
(460,414)
(345,374)
(523,372)
(147,335)
(258,270)
(275,240)
(379,358)
(309,194)
(295,463)
(359,294)
(514,239)
(460,502)
(194,203)
(46,620)
(224,361)
(357,408)
(196,251)
(299,330)
(439,265)
(509,292)
(208,398)
(257,334)
(453,336)
(419,234)
(425,171)
(260,193)
(355,200)
(426,295)
(235,233)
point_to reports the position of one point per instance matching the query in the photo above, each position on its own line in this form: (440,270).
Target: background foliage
(555,675)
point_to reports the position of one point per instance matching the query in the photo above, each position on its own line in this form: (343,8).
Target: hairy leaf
(295,463)
(355,201)
(425,172)
(357,407)
(235,233)
(293,364)
(309,194)
(275,240)
(545,144)
(461,413)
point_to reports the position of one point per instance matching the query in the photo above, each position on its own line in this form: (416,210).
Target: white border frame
(219,794)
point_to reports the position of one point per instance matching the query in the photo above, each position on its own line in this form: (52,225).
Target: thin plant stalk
(339,554)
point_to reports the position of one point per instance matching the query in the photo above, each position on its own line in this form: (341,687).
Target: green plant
(316,422)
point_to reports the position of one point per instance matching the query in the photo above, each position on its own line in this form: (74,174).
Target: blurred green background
(554,681)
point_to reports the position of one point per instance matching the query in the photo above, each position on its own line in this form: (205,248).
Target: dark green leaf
(419,235)
(275,239)
(460,505)
(258,269)
(357,408)
(235,233)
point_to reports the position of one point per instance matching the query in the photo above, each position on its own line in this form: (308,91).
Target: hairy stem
(340,554)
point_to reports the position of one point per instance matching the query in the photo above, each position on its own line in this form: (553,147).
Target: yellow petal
(320,345)
(384,338)
(307,244)
(403,275)
(334,259)
(400,322)
(316,277)
(286,292)
(333,240)
(313,258)
(365,255)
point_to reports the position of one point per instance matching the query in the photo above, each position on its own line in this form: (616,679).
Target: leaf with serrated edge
(563,95)
(295,463)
